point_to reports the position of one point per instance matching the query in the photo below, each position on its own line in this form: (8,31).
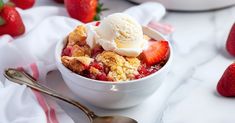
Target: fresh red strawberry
(226,85)
(156,52)
(10,21)
(59,1)
(23,4)
(84,10)
(230,45)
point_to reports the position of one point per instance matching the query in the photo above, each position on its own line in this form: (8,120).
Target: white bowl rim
(58,59)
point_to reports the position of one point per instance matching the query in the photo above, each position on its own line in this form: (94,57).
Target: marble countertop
(199,41)
(199,61)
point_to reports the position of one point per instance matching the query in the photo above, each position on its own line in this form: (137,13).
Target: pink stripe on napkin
(161,27)
(35,71)
(53,116)
(43,104)
(10,40)
(37,94)
(49,111)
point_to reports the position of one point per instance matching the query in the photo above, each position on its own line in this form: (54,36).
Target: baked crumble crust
(73,64)
(121,68)
(78,36)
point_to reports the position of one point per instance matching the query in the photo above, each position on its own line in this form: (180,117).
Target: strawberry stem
(104,9)
(1,5)
(99,9)
(97,17)
(9,3)
(2,21)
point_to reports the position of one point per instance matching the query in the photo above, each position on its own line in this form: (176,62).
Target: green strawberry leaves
(2,21)
(1,5)
(99,9)
(97,17)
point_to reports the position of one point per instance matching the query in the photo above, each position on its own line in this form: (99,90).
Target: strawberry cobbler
(115,50)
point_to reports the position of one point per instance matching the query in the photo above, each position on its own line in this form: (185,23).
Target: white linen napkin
(34,53)
(147,12)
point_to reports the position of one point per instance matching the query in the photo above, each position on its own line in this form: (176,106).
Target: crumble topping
(121,68)
(73,64)
(81,50)
(78,36)
(95,63)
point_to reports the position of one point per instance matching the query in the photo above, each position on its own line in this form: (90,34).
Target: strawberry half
(226,85)
(156,52)
(230,45)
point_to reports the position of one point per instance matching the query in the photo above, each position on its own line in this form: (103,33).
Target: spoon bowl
(113,119)
(21,77)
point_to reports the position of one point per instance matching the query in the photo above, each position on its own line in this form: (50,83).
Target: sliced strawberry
(156,52)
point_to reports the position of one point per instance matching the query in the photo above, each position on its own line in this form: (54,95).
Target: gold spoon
(20,77)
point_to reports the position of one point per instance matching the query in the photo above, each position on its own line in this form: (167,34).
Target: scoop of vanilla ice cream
(122,34)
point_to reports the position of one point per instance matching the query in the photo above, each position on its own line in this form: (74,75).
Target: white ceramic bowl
(113,95)
(192,5)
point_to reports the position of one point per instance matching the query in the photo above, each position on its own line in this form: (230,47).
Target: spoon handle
(21,77)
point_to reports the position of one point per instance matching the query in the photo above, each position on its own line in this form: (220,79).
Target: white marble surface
(199,41)
(188,94)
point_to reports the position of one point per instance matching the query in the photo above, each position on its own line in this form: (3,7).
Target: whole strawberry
(226,85)
(23,4)
(84,10)
(10,21)
(230,45)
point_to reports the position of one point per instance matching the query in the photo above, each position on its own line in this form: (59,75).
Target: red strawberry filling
(67,51)
(152,60)
(145,70)
(96,50)
(98,65)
